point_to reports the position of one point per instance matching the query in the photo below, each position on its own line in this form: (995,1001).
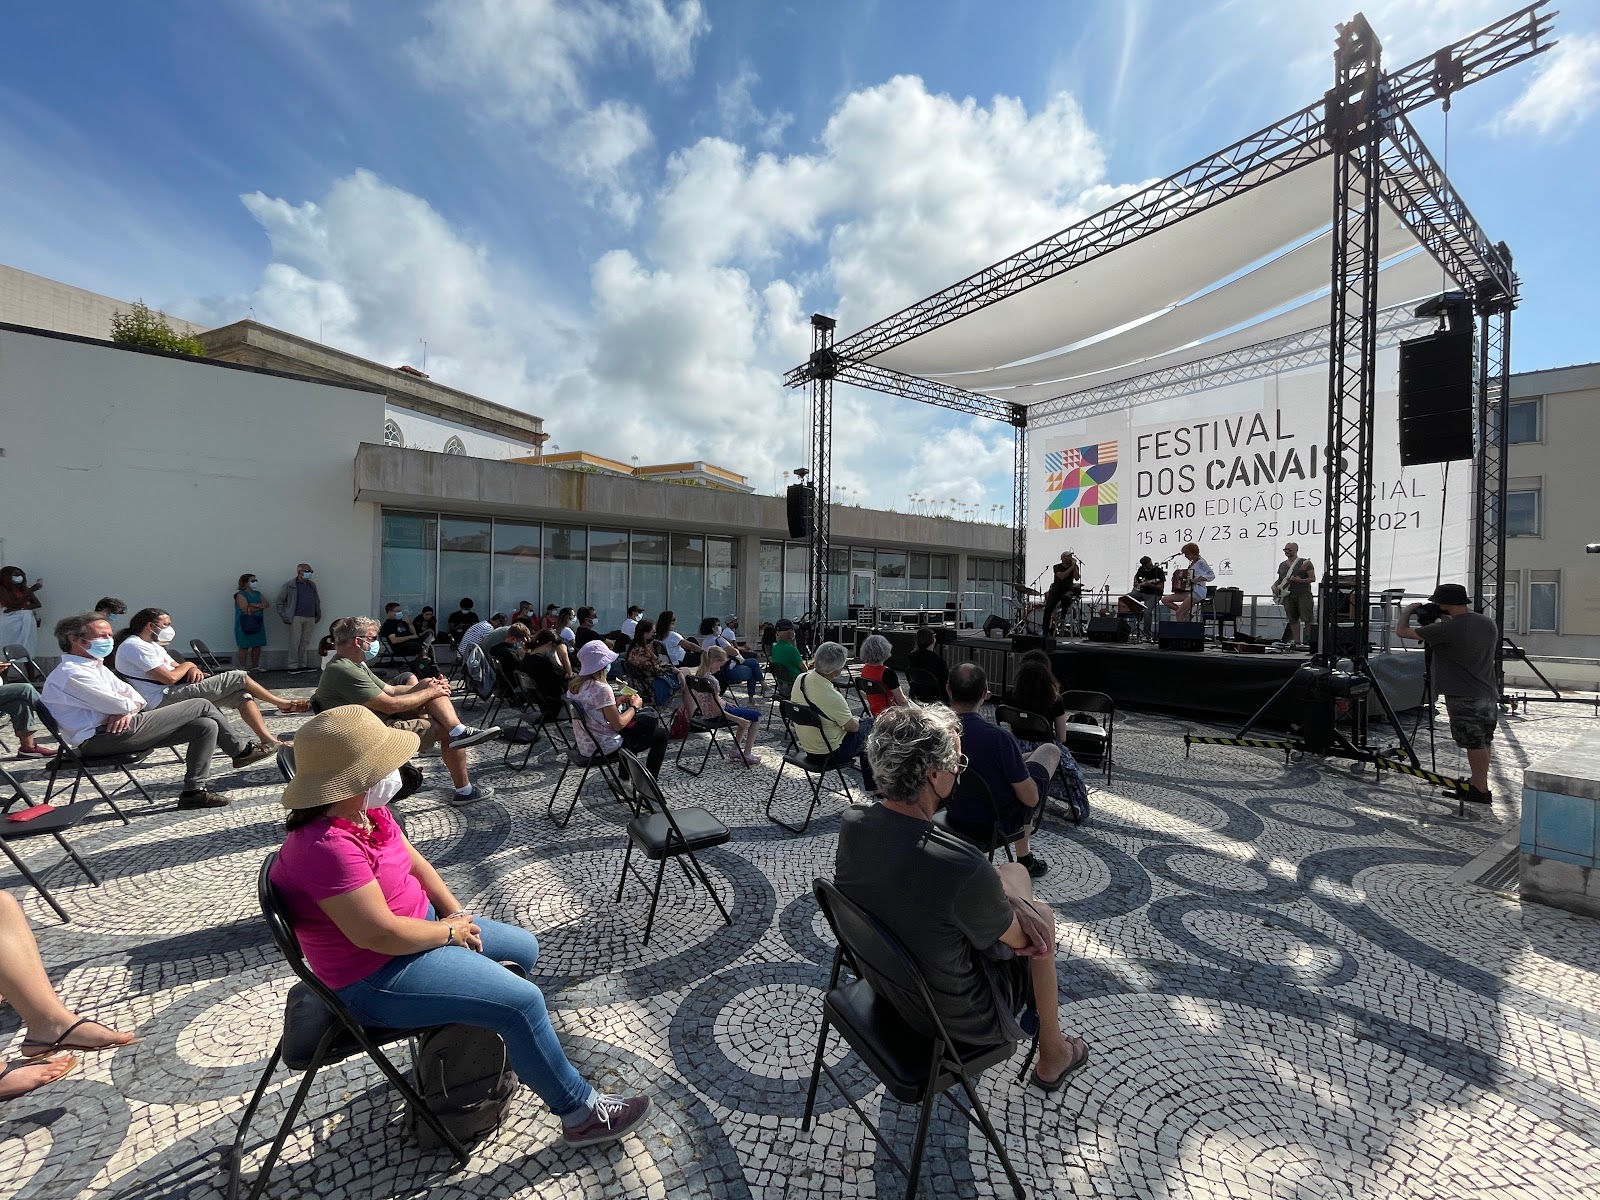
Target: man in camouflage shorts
(1465,647)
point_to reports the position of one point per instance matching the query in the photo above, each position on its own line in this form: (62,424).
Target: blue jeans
(748,672)
(853,746)
(451,984)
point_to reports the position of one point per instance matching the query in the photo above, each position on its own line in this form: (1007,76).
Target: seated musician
(1066,585)
(1189,584)
(1149,582)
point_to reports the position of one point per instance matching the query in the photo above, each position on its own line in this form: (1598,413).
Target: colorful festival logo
(1079,487)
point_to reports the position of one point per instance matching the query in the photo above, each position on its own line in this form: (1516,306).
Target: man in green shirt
(785,653)
(419,705)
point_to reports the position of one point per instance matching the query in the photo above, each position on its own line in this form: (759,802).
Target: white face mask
(253,582)
(166,635)
(305,575)
(383,791)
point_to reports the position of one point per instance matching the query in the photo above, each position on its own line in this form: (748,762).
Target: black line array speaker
(1182,635)
(1436,400)
(800,510)
(1108,629)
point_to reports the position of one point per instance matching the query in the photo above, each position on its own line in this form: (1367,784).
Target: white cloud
(1564,93)
(526,61)
(737,111)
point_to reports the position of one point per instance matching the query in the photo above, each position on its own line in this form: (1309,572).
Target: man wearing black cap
(1464,645)
(784,652)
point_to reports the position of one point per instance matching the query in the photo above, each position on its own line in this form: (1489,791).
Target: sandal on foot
(7,1071)
(295,706)
(1060,1080)
(42,1048)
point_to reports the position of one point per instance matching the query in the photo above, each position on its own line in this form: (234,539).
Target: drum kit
(1070,619)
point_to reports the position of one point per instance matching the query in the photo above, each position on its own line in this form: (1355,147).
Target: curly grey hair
(876,649)
(830,658)
(906,743)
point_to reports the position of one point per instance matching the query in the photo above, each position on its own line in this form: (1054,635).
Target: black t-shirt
(460,620)
(396,626)
(1150,579)
(940,897)
(933,663)
(507,659)
(582,636)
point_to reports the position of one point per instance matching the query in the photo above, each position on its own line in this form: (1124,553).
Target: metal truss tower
(822,366)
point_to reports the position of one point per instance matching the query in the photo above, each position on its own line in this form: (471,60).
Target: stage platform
(1211,683)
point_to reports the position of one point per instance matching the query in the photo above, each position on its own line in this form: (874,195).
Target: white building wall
(423,432)
(49,304)
(160,480)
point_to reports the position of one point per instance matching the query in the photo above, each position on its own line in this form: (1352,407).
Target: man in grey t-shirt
(1465,646)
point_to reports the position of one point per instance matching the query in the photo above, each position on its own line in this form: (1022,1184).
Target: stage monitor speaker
(1436,399)
(996,625)
(1023,642)
(1182,635)
(800,510)
(1108,629)
(945,635)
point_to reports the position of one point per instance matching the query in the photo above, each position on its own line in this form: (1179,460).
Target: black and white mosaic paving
(1287,994)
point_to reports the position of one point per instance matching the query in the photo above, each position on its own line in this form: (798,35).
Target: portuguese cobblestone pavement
(1288,995)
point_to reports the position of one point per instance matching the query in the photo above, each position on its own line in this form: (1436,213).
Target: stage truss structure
(1362,123)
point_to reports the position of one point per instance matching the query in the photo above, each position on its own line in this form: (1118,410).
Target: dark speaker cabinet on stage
(1108,629)
(995,626)
(1023,642)
(1182,635)
(800,495)
(946,635)
(1436,400)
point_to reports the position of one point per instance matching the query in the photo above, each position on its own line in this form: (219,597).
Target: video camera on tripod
(1426,614)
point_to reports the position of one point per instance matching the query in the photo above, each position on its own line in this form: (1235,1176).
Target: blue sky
(620,214)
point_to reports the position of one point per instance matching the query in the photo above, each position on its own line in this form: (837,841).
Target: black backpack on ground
(462,1073)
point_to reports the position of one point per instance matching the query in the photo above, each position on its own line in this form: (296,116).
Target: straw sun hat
(342,753)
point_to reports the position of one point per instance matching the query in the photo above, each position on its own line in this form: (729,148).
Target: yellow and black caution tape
(1195,739)
(1405,768)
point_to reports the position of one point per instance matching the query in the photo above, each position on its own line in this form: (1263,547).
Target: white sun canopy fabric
(1179,294)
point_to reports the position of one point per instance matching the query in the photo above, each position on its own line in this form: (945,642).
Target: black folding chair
(1031,727)
(812,766)
(83,767)
(478,677)
(533,720)
(317,1030)
(53,823)
(19,658)
(782,687)
(605,764)
(993,836)
(868,688)
(888,1017)
(923,686)
(209,661)
(285,761)
(698,685)
(660,834)
(1090,742)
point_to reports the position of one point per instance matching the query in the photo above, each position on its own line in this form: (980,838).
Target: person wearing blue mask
(399,635)
(100,714)
(421,706)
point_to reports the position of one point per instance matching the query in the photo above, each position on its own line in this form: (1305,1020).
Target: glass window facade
(608,577)
(464,562)
(411,560)
(687,581)
(722,577)
(1522,421)
(647,586)
(516,566)
(1522,513)
(566,571)
(1544,602)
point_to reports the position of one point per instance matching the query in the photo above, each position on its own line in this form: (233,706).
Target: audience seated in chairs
(1017,785)
(476,632)
(548,645)
(17,698)
(586,632)
(421,706)
(606,725)
(100,714)
(399,637)
(984,945)
(1035,689)
(784,652)
(740,667)
(680,651)
(508,654)
(711,706)
(51,1027)
(460,621)
(630,627)
(384,931)
(848,735)
(875,652)
(427,622)
(142,659)
(926,658)
(644,664)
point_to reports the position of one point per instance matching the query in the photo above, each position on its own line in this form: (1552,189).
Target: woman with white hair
(842,737)
(875,653)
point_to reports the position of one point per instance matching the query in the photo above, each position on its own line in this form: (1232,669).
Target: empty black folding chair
(317,1030)
(813,767)
(532,723)
(661,832)
(700,722)
(53,822)
(1090,741)
(1031,727)
(606,764)
(212,664)
(991,836)
(83,767)
(19,658)
(887,1015)
(782,687)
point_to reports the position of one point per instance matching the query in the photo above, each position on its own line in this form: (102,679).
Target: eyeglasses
(961,765)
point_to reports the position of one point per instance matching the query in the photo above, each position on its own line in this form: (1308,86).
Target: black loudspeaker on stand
(1436,398)
(1182,635)
(1109,629)
(800,510)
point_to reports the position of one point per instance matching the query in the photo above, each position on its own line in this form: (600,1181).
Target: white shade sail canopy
(1253,267)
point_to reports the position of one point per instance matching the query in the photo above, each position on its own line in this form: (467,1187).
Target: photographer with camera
(1464,645)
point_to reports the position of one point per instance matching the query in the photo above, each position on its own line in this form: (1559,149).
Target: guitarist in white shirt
(1293,590)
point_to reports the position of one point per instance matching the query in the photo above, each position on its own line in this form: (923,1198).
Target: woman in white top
(1200,574)
(741,667)
(607,726)
(746,721)
(674,643)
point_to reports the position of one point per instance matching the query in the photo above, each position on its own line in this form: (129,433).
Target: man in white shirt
(144,662)
(632,623)
(100,714)
(476,633)
(1200,574)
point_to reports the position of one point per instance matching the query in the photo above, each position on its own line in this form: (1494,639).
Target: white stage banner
(1240,471)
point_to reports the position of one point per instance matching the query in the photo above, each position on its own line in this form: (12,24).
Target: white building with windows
(1552,512)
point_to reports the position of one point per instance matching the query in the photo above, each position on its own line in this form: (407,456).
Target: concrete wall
(159,479)
(425,432)
(47,304)
(1562,460)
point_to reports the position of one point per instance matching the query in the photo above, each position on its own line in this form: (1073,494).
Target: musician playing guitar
(1065,587)
(1293,590)
(1189,583)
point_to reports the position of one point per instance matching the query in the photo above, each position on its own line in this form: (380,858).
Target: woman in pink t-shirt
(365,906)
